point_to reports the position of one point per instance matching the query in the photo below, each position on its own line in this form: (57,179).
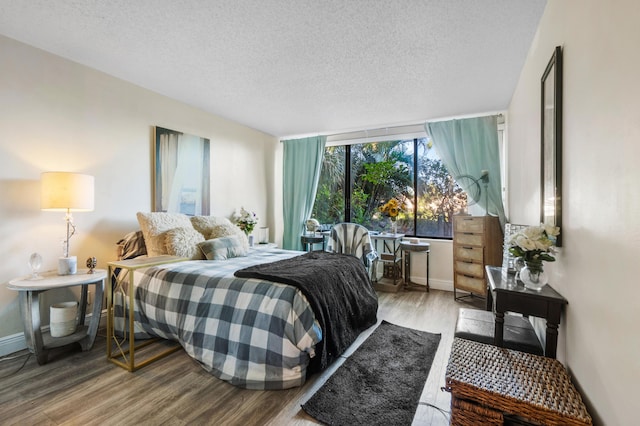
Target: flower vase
(394,227)
(250,238)
(533,276)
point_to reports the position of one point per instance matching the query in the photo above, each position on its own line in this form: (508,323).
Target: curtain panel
(302,165)
(467,147)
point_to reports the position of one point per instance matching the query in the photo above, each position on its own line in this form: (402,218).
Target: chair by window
(353,239)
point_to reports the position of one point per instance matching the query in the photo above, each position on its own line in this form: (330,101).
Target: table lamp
(64,191)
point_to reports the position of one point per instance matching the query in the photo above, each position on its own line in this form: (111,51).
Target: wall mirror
(551,146)
(180,173)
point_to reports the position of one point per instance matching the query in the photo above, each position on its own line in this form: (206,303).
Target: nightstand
(123,283)
(40,342)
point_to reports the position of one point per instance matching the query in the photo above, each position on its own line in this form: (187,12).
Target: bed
(255,333)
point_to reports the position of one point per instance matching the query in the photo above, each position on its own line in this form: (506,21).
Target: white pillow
(155,224)
(183,242)
(204,224)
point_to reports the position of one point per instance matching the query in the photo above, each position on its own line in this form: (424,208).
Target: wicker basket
(467,413)
(485,379)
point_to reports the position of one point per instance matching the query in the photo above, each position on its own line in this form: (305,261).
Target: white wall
(596,269)
(56,115)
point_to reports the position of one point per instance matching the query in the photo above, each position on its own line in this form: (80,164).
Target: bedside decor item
(534,244)
(91,264)
(181,173)
(551,145)
(63,318)
(246,220)
(263,235)
(35,263)
(64,191)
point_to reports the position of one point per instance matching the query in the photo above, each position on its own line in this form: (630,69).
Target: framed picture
(551,146)
(180,173)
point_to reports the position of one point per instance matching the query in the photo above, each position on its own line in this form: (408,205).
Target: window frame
(348,184)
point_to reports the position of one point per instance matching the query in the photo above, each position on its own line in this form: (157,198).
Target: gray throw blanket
(339,291)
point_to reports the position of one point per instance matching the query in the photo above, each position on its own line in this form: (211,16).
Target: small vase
(250,238)
(394,227)
(533,276)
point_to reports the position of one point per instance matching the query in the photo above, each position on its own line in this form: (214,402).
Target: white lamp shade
(67,191)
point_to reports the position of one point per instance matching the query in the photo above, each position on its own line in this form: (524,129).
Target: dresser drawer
(469,253)
(470,239)
(473,224)
(475,285)
(468,268)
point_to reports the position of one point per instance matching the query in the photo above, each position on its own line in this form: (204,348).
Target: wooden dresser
(477,241)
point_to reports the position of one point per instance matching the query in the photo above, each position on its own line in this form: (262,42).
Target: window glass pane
(330,198)
(382,188)
(380,172)
(439,197)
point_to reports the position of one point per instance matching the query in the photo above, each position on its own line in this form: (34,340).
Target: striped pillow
(222,248)
(131,245)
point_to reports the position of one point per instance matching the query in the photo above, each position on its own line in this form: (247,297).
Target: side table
(40,342)
(123,283)
(408,248)
(390,256)
(309,240)
(507,295)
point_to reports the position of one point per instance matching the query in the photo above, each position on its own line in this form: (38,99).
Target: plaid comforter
(252,333)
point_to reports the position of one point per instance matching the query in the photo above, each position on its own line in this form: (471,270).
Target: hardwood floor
(77,387)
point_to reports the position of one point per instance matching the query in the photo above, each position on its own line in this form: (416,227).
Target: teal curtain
(467,147)
(302,164)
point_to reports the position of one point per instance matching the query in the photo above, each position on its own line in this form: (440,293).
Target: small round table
(30,291)
(309,240)
(408,248)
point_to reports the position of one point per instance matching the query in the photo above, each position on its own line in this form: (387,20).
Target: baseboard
(434,284)
(17,342)
(12,344)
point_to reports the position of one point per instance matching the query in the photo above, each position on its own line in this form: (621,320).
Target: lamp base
(67,265)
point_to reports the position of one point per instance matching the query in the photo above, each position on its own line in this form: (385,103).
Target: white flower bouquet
(246,220)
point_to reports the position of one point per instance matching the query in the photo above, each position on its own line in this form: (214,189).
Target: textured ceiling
(298,66)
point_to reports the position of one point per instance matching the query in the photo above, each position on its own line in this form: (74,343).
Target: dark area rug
(379,384)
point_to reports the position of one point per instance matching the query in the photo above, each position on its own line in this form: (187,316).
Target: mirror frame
(551,143)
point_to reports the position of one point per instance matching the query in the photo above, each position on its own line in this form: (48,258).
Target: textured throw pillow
(183,242)
(229,230)
(222,248)
(155,224)
(204,224)
(131,245)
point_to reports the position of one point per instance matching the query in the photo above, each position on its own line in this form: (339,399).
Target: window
(358,180)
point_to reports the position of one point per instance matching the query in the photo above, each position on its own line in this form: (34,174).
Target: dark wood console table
(508,295)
